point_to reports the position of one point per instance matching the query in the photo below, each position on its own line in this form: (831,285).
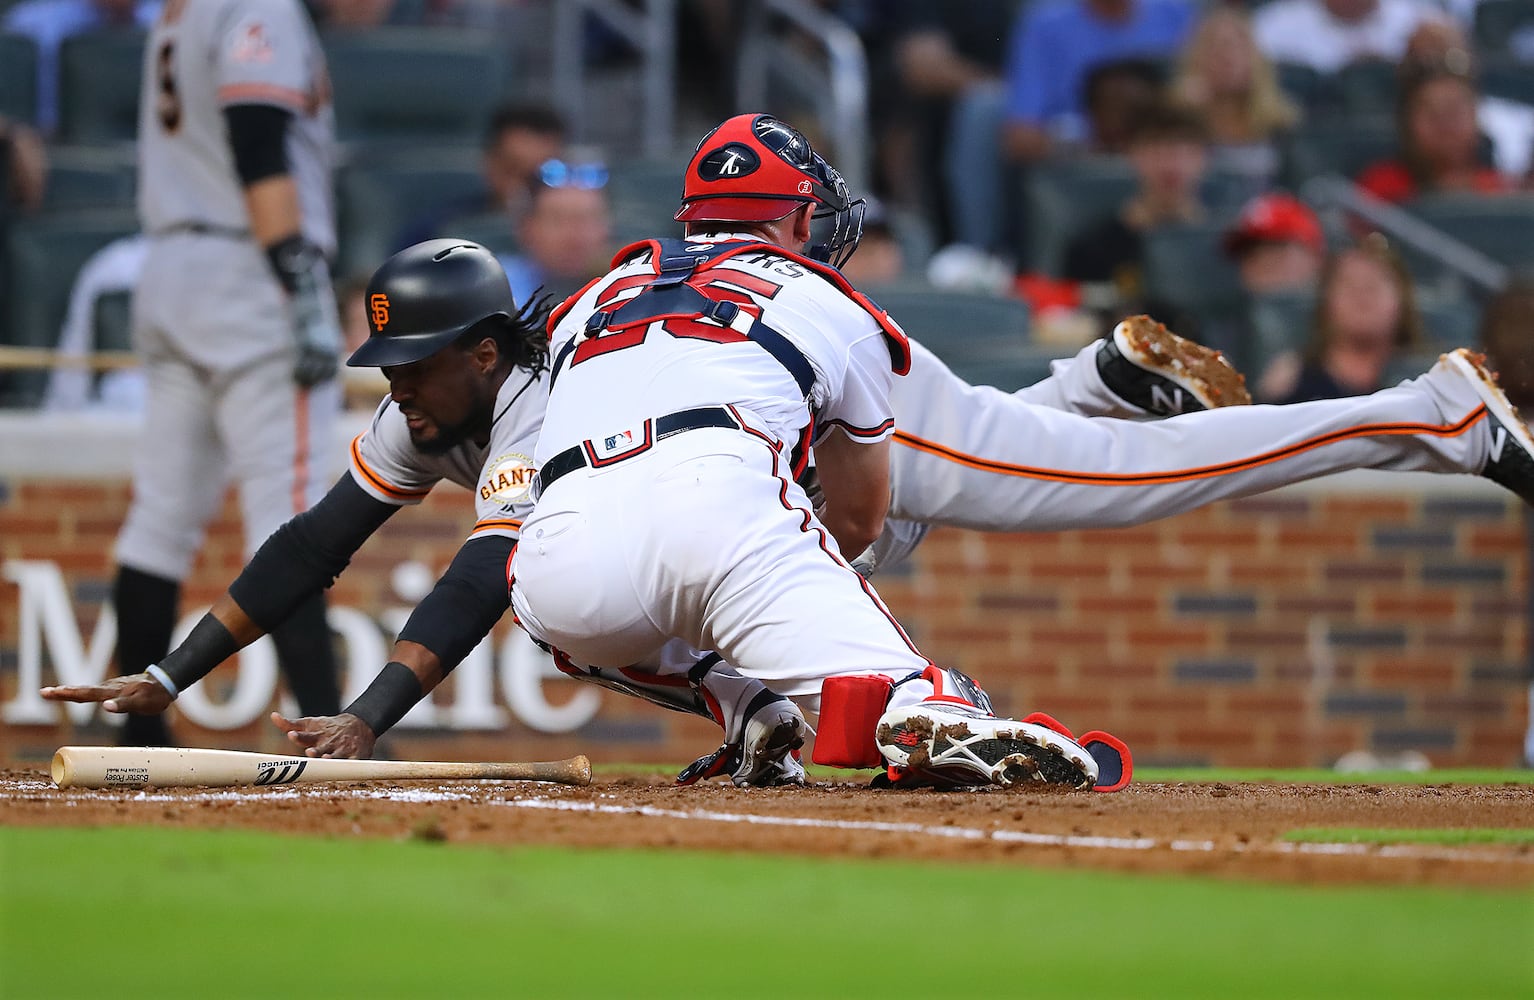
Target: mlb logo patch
(620,444)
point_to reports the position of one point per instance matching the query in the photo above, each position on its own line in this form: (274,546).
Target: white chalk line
(1418,852)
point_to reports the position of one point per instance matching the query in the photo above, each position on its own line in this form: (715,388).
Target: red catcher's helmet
(755,168)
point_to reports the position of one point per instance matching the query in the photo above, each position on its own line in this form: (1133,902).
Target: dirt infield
(1215,829)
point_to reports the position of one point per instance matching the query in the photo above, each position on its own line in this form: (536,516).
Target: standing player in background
(233,316)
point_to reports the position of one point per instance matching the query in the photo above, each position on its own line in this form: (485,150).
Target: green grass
(1362,835)
(155,913)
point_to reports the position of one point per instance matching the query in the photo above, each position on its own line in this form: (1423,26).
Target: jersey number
(168,100)
(715,287)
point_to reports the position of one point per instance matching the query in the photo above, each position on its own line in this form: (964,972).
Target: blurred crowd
(1091,157)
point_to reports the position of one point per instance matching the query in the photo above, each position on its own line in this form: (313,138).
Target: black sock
(146,615)
(308,658)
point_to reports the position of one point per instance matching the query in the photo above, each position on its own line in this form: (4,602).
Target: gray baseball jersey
(203,56)
(210,320)
(388,465)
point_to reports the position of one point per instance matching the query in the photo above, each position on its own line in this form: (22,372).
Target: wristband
(293,260)
(209,644)
(393,692)
(163,679)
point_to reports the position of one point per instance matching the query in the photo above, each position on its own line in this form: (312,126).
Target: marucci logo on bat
(279,772)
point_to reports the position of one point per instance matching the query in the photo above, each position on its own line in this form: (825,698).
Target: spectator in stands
(24,165)
(1167,150)
(113,268)
(1055,46)
(1326,35)
(1366,315)
(566,233)
(1277,245)
(49,22)
(1223,75)
(949,60)
(1505,337)
(1439,140)
(519,139)
(1116,93)
(1508,123)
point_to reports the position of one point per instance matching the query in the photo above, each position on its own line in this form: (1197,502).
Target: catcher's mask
(755,168)
(427,295)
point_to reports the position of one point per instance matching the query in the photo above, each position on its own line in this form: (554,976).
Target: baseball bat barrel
(168,767)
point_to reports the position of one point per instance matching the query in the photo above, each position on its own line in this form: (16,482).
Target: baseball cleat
(726,760)
(1150,367)
(950,744)
(774,730)
(1510,459)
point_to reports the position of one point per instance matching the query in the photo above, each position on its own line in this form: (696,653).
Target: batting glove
(301,267)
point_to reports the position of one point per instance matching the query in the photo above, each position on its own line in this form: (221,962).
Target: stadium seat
(1062,200)
(18,78)
(1497,21)
(90,177)
(1448,321)
(645,194)
(99,86)
(44,255)
(1509,79)
(1186,267)
(1337,147)
(1278,323)
(112,322)
(1305,85)
(1366,87)
(408,83)
(378,195)
(1500,226)
(492,230)
(984,338)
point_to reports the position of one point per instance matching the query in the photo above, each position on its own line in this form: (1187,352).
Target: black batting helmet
(424,297)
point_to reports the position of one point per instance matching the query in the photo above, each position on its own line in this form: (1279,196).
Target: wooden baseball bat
(167,767)
(13,358)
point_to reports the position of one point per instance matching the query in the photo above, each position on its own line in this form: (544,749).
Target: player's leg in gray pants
(281,442)
(976,457)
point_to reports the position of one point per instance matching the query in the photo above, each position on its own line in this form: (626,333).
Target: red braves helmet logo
(752,168)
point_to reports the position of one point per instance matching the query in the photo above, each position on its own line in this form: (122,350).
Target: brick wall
(1283,630)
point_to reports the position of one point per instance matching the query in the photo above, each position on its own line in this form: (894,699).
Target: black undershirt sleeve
(467,601)
(307,553)
(257,134)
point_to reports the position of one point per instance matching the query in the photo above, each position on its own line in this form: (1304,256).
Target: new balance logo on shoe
(1499,438)
(1167,403)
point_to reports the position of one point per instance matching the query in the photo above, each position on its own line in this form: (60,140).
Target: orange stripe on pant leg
(1184,475)
(301,451)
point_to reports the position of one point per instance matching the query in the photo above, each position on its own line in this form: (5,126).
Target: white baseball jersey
(703,535)
(204,56)
(660,372)
(387,465)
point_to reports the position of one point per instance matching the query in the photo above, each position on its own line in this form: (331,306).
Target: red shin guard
(849,713)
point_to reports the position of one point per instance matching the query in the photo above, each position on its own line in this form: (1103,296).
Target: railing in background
(651,30)
(1335,194)
(844,78)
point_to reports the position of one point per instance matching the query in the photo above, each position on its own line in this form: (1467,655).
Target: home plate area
(1218,829)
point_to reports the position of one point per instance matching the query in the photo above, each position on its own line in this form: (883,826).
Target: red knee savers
(849,713)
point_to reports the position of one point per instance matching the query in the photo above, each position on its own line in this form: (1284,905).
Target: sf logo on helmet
(378,306)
